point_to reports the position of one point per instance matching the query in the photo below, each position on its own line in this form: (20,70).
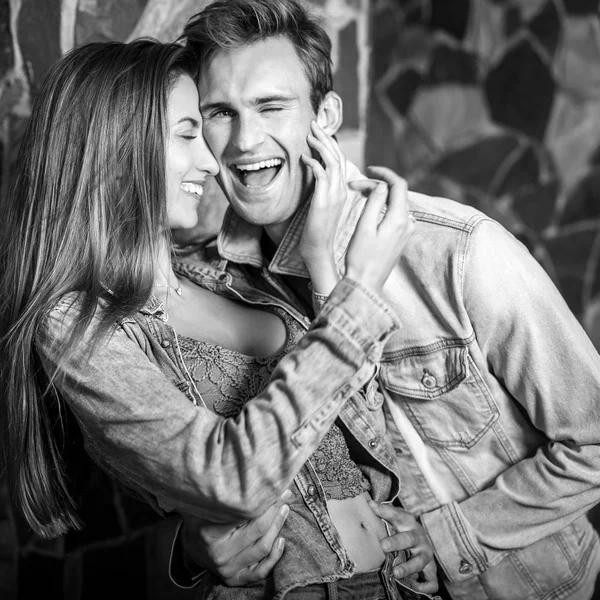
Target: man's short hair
(229,24)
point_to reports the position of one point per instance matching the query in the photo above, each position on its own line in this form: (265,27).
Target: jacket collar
(239,241)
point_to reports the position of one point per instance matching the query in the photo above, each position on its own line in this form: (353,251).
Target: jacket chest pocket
(442,394)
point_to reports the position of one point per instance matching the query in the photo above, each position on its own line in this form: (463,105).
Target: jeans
(373,585)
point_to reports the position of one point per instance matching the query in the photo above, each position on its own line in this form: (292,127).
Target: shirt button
(428,380)
(165,343)
(373,443)
(311,491)
(464,567)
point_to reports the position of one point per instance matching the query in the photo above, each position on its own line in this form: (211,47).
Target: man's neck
(299,285)
(276,231)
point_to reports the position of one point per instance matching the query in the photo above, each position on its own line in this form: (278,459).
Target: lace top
(227,379)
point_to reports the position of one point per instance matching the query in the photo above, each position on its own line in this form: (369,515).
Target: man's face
(255,104)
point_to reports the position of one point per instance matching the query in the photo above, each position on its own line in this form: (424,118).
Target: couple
(203,393)
(482,419)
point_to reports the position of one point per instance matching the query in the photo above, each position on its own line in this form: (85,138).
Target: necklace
(177,289)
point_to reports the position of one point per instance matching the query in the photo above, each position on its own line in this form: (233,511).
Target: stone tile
(513,20)
(485,34)
(581,7)
(346,76)
(413,49)
(38,31)
(535,204)
(521,169)
(530,8)
(165,19)
(572,136)
(520,90)
(403,89)
(6,41)
(452,65)
(547,26)
(582,203)
(414,151)
(451,17)
(414,13)
(103,20)
(578,57)
(438,186)
(385,25)
(451,115)
(479,164)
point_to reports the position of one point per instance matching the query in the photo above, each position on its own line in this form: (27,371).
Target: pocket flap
(427,373)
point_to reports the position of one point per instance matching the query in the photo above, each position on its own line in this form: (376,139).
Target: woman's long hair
(83,215)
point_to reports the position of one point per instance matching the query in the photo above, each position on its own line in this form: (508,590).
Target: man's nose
(247,134)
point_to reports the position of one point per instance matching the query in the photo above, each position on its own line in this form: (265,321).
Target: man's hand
(410,535)
(237,555)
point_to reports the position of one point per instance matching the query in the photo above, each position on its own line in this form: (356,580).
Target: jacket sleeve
(536,348)
(141,428)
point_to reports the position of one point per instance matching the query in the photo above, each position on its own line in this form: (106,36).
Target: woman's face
(189,162)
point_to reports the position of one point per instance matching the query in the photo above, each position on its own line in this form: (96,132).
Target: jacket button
(373,443)
(464,567)
(428,380)
(311,491)
(165,343)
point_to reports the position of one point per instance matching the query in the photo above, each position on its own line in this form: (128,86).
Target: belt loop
(332,590)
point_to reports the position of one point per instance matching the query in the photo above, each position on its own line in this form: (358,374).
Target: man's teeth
(192,188)
(263,164)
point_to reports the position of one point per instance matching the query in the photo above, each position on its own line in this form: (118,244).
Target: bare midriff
(360,529)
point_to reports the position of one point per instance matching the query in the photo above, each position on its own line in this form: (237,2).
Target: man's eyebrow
(213,105)
(193,122)
(276,98)
(257,102)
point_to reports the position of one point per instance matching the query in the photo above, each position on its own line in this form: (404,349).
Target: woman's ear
(330,115)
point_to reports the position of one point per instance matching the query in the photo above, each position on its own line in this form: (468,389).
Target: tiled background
(491,102)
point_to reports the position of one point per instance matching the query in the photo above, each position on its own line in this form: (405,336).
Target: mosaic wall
(495,103)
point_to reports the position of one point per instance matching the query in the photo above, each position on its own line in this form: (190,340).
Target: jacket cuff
(181,571)
(365,317)
(455,546)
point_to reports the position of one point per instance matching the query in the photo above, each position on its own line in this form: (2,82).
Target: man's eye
(222,114)
(272,108)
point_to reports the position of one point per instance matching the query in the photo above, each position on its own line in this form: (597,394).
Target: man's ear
(330,115)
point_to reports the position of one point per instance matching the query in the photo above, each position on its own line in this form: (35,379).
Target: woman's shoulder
(69,310)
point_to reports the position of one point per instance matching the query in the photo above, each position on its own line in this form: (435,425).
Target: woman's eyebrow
(193,122)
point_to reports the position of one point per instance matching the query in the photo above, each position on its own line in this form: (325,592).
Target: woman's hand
(410,535)
(316,244)
(378,242)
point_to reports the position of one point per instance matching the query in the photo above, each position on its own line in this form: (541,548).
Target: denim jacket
(143,421)
(499,384)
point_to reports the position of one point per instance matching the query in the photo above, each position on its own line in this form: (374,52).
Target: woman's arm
(140,427)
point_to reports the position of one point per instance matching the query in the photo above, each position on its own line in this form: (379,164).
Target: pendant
(178,291)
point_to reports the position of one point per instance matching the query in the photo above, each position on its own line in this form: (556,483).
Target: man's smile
(259,173)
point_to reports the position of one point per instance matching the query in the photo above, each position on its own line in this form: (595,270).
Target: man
(490,388)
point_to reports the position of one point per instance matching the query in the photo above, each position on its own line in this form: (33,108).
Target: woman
(113,158)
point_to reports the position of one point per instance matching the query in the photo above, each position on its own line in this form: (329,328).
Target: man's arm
(537,349)
(238,555)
